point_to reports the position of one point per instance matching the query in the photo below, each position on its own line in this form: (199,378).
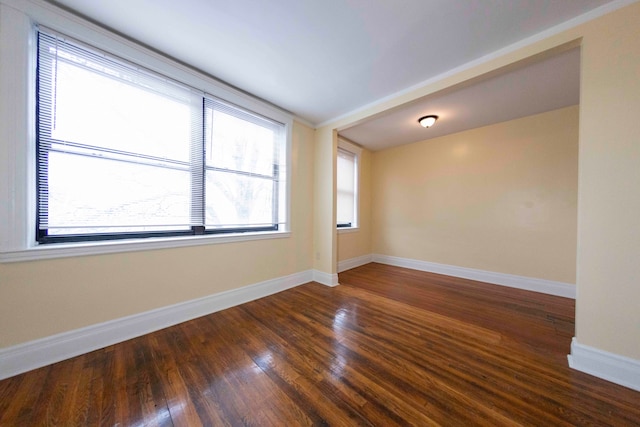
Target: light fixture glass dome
(427,121)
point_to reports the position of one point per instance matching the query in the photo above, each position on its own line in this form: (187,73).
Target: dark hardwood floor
(389,346)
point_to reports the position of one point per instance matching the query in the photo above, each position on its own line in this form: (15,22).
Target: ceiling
(522,90)
(324,59)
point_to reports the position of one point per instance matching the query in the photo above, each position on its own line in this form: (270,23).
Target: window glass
(88,108)
(237,144)
(346,189)
(97,195)
(242,168)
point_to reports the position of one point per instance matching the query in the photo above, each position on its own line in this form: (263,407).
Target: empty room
(319,213)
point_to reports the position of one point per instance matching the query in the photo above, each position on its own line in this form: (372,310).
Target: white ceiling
(323,59)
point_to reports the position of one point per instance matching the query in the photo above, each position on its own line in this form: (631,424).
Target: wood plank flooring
(389,346)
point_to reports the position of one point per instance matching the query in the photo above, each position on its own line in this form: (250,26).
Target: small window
(123,152)
(347,186)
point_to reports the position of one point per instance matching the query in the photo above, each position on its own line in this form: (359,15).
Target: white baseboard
(602,364)
(326,279)
(520,282)
(35,354)
(348,264)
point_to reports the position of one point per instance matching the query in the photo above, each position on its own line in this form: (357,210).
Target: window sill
(65,250)
(346,230)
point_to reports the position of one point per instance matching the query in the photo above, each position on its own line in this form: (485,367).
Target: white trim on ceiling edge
(520,282)
(45,351)
(621,370)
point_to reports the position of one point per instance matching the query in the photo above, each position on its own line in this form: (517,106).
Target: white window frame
(18,20)
(357,152)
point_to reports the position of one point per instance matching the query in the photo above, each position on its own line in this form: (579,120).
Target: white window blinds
(124,152)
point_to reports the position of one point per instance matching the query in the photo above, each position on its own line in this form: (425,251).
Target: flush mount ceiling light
(427,121)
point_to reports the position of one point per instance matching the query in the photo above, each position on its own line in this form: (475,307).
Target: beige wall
(501,198)
(353,244)
(42,298)
(608,303)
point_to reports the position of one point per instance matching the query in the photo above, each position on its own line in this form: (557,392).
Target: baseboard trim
(520,282)
(326,279)
(42,352)
(602,364)
(348,264)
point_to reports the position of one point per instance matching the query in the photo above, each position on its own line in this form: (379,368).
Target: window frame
(18,22)
(354,149)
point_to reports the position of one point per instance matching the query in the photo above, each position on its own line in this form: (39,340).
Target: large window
(347,185)
(123,152)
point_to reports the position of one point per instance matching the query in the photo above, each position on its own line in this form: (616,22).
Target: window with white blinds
(123,152)
(243,159)
(347,184)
